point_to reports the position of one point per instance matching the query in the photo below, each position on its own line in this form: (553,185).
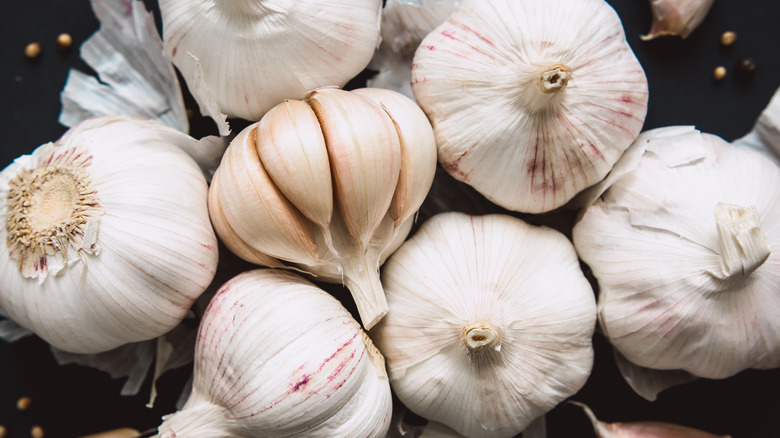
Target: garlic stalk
(677,17)
(242,57)
(107,235)
(404,24)
(490,323)
(328,185)
(529,102)
(277,356)
(685,245)
(642,429)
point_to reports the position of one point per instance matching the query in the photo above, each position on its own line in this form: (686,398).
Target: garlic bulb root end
(554,78)
(742,244)
(481,335)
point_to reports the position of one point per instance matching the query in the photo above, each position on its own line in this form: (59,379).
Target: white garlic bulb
(329,185)
(530,102)
(277,356)
(249,55)
(107,235)
(490,323)
(685,245)
(677,17)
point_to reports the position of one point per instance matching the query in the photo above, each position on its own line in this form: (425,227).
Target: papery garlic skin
(277,356)
(677,17)
(131,246)
(328,185)
(529,102)
(249,55)
(490,323)
(682,286)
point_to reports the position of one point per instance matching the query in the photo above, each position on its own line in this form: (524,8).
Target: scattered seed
(190,113)
(36,432)
(3,431)
(728,38)
(719,73)
(23,403)
(32,50)
(64,41)
(746,67)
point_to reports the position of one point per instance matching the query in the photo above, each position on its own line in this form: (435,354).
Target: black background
(69,401)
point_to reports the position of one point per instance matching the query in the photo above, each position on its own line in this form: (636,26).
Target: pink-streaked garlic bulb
(685,245)
(329,185)
(242,57)
(677,17)
(277,356)
(490,323)
(530,102)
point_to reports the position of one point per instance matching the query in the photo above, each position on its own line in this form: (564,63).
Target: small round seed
(719,73)
(36,432)
(32,50)
(746,66)
(64,41)
(728,38)
(3,431)
(23,403)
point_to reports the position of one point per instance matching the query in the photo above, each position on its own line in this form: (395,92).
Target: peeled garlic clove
(642,429)
(259,213)
(490,323)
(529,102)
(107,238)
(365,162)
(291,145)
(677,17)
(277,356)
(676,289)
(418,150)
(251,55)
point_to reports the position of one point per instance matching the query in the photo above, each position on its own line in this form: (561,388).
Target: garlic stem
(742,244)
(367,291)
(553,78)
(481,335)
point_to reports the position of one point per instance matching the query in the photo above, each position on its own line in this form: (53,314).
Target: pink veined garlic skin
(530,103)
(277,356)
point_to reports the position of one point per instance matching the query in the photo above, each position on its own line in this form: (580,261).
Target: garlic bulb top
(329,184)
(677,17)
(250,55)
(685,245)
(530,102)
(107,235)
(490,323)
(277,356)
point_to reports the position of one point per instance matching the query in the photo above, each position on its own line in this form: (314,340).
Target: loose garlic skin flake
(107,235)
(530,102)
(328,185)
(490,323)
(249,55)
(685,245)
(278,357)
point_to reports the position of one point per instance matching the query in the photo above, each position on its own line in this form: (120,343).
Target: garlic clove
(558,98)
(642,429)
(228,236)
(418,150)
(259,213)
(292,150)
(365,162)
(677,17)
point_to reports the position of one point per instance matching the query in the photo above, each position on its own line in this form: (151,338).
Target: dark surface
(71,400)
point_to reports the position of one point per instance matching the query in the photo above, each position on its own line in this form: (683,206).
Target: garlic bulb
(677,17)
(107,235)
(247,56)
(642,429)
(530,103)
(685,245)
(329,185)
(277,356)
(490,323)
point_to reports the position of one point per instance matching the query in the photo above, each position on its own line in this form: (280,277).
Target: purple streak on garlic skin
(677,17)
